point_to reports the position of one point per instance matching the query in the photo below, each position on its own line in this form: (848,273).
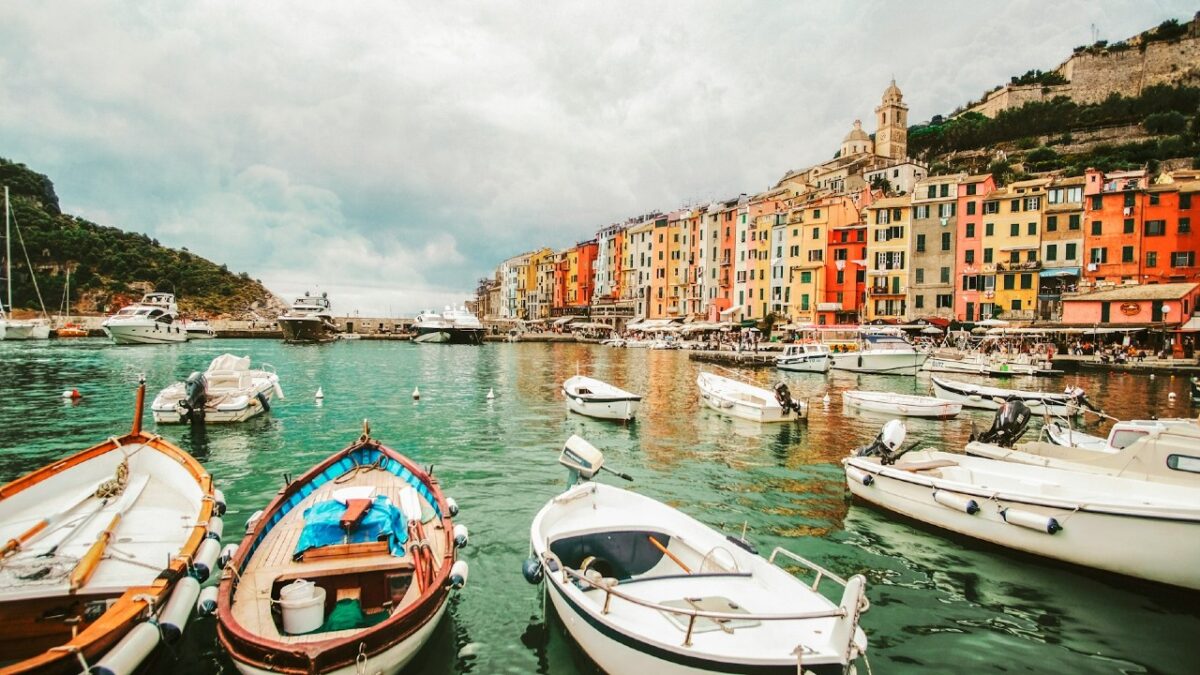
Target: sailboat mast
(7,249)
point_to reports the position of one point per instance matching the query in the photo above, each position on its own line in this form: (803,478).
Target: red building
(842,301)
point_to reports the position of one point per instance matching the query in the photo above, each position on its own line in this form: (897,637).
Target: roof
(1175,291)
(1033,182)
(1072,180)
(1189,186)
(977,178)
(891,202)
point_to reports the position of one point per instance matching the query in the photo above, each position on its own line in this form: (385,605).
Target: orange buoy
(72,394)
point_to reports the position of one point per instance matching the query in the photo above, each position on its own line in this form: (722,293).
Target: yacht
(452,326)
(873,349)
(151,321)
(310,319)
(198,329)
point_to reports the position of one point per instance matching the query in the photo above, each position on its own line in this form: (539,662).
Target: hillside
(109,266)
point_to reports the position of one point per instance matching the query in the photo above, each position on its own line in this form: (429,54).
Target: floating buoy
(491,394)
(320,393)
(72,394)
(1152,376)
(416,394)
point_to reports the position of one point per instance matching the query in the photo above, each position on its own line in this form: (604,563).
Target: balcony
(1018,266)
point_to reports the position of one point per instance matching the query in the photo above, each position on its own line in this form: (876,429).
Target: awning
(829,306)
(1060,272)
(1192,324)
(731,310)
(562,320)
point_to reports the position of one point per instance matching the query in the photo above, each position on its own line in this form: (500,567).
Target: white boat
(805,358)
(198,329)
(452,326)
(10,328)
(983,397)
(644,588)
(309,320)
(151,321)
(975,362)
(594,398)
(745,400)
(880,351)
(1120,436)
(1167,453)
(900,404)
(1138,528)
(229,391)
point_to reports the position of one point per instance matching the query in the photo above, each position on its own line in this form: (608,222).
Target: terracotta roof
(1173,291)
(891,202)
(1035,182)
(1072,180)
(977,178)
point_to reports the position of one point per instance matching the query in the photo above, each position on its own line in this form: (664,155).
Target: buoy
(216,528)
(531,569)
(416,394)
(253,520)
(1171,396)
(1033,521)
(207,604)
(458,574)
(491,394)
(461,536)
(128,654)
(218,503)
(72,394)
(320,393)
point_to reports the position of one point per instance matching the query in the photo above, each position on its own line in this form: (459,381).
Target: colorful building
(969,296)
(1012,243)
(1062,246)
(889,242)
(934,224)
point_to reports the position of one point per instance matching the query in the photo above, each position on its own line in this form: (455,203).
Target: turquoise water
(940,604)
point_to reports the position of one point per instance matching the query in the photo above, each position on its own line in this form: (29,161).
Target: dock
(738,359)
(1090,362)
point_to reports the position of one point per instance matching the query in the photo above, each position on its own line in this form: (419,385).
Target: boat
(594,398)
(453,326)
(900,404)
(69,329)
(347,570)
(978,363)
(11,328)
(806,357)
(1120,436)
(151,321)
(228,391)
(1071,402)
(1138,528)
(309,319)
(644,588)
(747,401)
(104,554)
(198,329)
(883,351)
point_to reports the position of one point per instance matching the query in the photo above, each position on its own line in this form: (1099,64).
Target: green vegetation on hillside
(106,261)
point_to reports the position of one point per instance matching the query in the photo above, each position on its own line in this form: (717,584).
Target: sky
(392,153)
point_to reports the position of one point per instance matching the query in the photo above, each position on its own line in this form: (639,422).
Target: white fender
(253,520)
(174,615)
(452,506)
(860,476)
(207,604)
(1033,521)
(216,527)
(278,389)
(218,502)
(205,559)
(128,654)
(956,501)
(458,574)
(226,555)
(461,536)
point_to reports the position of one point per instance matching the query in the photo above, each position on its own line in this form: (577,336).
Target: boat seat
(926,465)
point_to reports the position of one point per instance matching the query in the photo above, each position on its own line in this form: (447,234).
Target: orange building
(660,256)
(1112,239)
(582,275)
(842,300)
(1168,230)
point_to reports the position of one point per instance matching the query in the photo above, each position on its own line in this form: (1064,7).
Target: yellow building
(537,294)
(889,253)
(808,241)
(1012,221)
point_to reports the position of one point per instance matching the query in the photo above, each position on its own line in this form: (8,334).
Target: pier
(758,359)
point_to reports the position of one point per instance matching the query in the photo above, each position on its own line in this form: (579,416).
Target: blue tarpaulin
(322,526)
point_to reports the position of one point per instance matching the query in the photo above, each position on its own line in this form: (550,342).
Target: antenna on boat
(141,401)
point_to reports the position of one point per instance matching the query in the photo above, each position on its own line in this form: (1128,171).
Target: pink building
(970,294)
(1164,306)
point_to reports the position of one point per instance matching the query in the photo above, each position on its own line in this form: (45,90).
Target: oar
(670,555)
(87,565)
(44,526)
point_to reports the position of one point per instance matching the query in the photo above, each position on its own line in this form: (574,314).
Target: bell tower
(891,124)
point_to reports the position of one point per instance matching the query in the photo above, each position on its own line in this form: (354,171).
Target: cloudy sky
(392,153)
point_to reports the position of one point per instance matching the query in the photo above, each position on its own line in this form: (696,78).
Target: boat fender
(1033,521)
(451,506)
(262,400)
(216,527)
(174,615)
(226,555)
(458,574)
(253,520)
(860,476)
(219,502)
(205,560)
(461,536)
(956,501)
(207,604)
(128,654)
(531,569)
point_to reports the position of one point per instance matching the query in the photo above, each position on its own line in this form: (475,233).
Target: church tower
(891,124)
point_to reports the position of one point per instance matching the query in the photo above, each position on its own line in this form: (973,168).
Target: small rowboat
(742,399)
(900,404)
(594,398)
(103,554)
(348,570)
(1065,404)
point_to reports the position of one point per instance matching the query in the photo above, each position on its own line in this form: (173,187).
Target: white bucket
(303,605)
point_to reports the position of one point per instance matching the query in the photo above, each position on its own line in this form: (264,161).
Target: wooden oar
(670,555)
(91,560)
(44,526)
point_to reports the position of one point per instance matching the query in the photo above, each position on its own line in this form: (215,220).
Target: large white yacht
(874,349)
(154,320)
(310,319)
(452,326)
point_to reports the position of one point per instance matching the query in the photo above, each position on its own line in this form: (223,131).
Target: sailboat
(68,329)
(10,328)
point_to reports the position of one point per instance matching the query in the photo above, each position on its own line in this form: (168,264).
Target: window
(1031,228)
(1126,254)
(840,253)
(971,189)
(945,190)
(987,255)
(1098,256)
(806,277)
(1154,199)
(841,276)
(945,275)
(1185,201)
(1128,199)
(945,241)
(970,231)
(932,192)
(1051,252)
(1010,282)
(1072,250)
(816,213)
(919,301)
(804,301)
(989,229)
(1127,227)
(1051,223)
(971,207)
(816,233)
(816,256)
(920,243)
(1183,259)
(1096,202)
(1073,221)
(920,275)
(922,211)
(1014,229)
(1014,256)
(1014,205)
(945,301)
(1032,203)
(1016,305)
(946,210)
(1151,259)
(1097,228)
(991,207)
(881,217)
(794,251)
(969,257)
(1026,281)
(1185,225)
(1154,228)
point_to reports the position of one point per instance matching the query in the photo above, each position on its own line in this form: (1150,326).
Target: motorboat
(104,554)
(880,351)
(309,319)
(1120,436)
(996,364)
(805,357)
(151,321)
(594,398)
(455,325)
(348,570)
(644,588)
(1069,403)
(907,405)
(198,329)
(1144,529)
(12,328)
(228,391)
(747,401)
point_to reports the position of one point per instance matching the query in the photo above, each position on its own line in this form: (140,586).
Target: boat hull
(805,364)
(452,336)
(307,329)
(984,398)
(246,408)
(760,407)
(145,334)
(606,409)
(906,407)
(24,330)
(887,362)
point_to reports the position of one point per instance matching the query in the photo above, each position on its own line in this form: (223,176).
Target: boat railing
(821,572)
(692,613)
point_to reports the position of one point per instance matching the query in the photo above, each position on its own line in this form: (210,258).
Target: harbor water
(939,603)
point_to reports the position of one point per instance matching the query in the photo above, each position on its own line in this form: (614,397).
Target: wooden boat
(348,570)
(1139,528)
(229,391)
(71,330)
(104,554)
(900,404)
(644,588)
(805,358)
(983,397)
(745,400)
(594,398)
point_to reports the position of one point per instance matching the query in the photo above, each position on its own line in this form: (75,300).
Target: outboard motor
(783,396)
(887,444)
(195,396)
(1009,424)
